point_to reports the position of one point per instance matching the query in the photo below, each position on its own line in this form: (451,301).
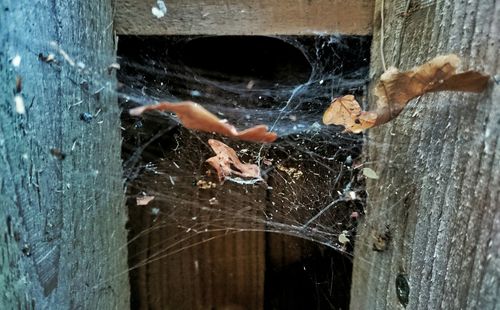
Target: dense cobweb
(311,187)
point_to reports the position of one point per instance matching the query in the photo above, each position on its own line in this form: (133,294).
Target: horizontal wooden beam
(244,17)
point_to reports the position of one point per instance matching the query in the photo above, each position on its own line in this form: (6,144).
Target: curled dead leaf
(395,89)
(346,111)
(194,116)
(227,163)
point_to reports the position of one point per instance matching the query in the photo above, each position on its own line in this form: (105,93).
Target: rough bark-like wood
(438,162)
(61,188)
(236,17)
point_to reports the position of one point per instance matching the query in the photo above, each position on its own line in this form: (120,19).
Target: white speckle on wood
(16,61)
(160,9)
(80,65)
(19,104)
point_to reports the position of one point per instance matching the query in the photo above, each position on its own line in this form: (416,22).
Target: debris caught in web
(227,163)
(346,111)
(293,172)
(202,184)
(144,200)
(194,116)
(395,89)
(343,239)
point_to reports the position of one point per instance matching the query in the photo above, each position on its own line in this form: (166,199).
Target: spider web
(312,184)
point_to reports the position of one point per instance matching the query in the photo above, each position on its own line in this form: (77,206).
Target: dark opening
(242,59)
(321,279)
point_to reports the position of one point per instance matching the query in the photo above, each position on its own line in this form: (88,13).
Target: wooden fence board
(235,17)
(438,192)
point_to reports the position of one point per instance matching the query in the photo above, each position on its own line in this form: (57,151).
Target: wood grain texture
(195,253)
(235,17)
(61,188)
(438,162)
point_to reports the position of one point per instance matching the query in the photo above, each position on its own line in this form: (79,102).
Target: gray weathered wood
(439,167)
(250,17)
(61,190)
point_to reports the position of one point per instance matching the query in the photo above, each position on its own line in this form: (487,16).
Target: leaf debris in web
(205,184)
(144,200)
(395,89)
(194,116)
(343,239)
(227,163)
(293,172)
(346,111)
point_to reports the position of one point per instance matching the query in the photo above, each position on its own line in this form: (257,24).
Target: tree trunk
(434,214)
(61,189)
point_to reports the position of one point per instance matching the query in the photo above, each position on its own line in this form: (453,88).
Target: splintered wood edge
(252,17)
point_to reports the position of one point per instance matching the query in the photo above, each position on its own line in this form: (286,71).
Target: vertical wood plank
(61,189)
(438,192)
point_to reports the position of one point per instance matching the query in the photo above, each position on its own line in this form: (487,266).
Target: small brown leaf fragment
(346,111)
(144,200)
(227,163)
(194,116)
(293,172)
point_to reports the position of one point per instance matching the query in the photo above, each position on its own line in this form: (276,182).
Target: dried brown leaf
(194,116)
(395,89)
(346,111)
(227,163)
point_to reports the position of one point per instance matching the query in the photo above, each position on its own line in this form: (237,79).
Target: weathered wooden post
(434,214)
(62,218)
